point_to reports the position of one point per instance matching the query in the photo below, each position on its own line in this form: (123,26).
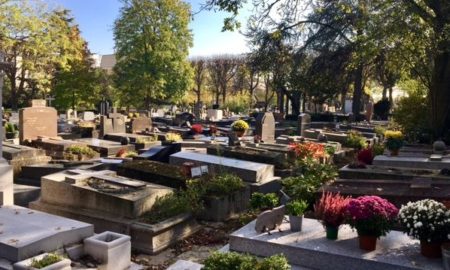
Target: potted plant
(295,210)
(172,138)
(330,209)
(11,131)
(393,141)
(239,127)
(428,221)
(372,217)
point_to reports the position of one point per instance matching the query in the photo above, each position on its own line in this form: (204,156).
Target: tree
(152,41)
(36,41)
(199,66)
(222,69)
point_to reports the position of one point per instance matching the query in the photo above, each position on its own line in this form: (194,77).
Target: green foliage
(260,201)
(38,42)
(411,115)
(217,186)
(296,207)
(330,149)
(239,103)
(47,260)
(237,261)
(379,130)
(378,149)
(81,149)
(311,175)
(355,140)
(172,205)
(10,127)
(152,41)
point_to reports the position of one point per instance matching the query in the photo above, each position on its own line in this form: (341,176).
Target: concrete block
(64,264)
(112,249)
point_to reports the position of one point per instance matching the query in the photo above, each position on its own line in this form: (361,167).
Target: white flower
(418,224)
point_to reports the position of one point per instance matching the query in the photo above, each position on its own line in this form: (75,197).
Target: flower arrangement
(426,220)
(365,156)
(173,137)
(371,215)
(308,150)
(197,129)
(125,153)
(394,139)
(239,125)
(330,209)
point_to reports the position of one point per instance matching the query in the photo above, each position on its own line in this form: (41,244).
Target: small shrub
(81,150)
(296,207)
(147,139)
(260,201)
(355,140)
(378,149)
(47,260)
(237,261)
(223,185)
(330,209)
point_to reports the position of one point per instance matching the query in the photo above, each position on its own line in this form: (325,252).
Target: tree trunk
(384,92)
(440,93)
(356,106)
(280,100)
(391,99)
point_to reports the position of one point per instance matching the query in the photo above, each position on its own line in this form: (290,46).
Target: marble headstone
(140,124)
(265,127)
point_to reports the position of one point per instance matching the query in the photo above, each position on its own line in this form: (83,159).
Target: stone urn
(439,147)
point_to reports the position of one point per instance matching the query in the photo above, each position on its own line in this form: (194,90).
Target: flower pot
(296,223)
(239,133)
(368,242)
(446,255)
(430,250)
(332,232)
(394,152)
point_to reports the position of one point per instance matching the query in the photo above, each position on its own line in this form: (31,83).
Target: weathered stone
(304,121)
(265,127)
(104,147)
(37,121)
(141,124)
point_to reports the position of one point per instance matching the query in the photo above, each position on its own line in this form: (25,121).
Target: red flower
(308,149)
(197,128)
(365,156)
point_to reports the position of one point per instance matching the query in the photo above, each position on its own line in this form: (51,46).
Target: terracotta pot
(239,133)
(368,242)
(394,152)
(332,232)
(430,250)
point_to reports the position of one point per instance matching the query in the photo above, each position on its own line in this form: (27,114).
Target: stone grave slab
(388,173)
(412,162)
(249,171)
(102,191)
(21,155)
(141,124)
(160,153)
(27,233)
(309,248)
(119,137)
(37,121)
(396,191)
(105,147)
(265,127)
(55,147)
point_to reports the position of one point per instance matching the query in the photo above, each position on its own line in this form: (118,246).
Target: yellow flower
(392,134)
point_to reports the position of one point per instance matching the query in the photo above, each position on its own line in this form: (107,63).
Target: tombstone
(160,153)
(304,122)
(265,127)
(71,114)
(215,115)
(14,118)
(115,123)
(141,123)
(88,116)
(104,107)
(36,121)
(198,109)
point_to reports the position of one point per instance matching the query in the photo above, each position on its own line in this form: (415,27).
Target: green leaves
(152,42)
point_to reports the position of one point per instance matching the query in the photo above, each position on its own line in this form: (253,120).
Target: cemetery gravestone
(37,121)
(304,122)
(265,127)
(141,123)
(88,116)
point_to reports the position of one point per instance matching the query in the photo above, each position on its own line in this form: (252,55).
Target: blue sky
(96,20)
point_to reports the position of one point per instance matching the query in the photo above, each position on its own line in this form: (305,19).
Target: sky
(96,20)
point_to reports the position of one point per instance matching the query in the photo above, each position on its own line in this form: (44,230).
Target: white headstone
(88,116)
(215,115)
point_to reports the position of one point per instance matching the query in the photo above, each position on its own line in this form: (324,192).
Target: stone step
(249,171)
(412,162)
(309,248)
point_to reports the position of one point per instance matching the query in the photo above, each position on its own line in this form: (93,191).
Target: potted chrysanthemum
(393,141)
(239,127)
(330,209)
(372,217)
(428,221)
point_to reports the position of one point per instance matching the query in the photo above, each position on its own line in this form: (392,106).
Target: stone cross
(114,114)
(49,100)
